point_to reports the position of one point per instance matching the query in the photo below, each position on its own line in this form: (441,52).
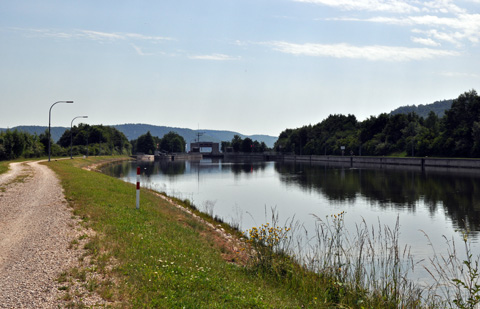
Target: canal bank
(359,161)
(352,161)
(170,157)
(355,161)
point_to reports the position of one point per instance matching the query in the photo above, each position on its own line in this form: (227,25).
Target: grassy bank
(161,256)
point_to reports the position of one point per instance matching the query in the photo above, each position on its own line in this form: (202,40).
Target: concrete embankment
(353,161)
(170,157)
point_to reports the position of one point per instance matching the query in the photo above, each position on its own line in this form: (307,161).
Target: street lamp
(71,134)
(49,118)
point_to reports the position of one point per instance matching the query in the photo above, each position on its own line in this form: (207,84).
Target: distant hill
(133,131)
(55,131)
(438,107)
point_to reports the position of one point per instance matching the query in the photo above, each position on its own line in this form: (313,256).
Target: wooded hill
(423,110)
(133,131)
(456,134)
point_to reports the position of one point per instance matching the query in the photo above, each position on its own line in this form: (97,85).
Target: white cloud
(441,20)
(459,74)
(462,27)
(394,6)
(90,35)
(43,33)
(108,36)
(140,52)
(100,36)
(442,36)
(371,53)
(147,37)
(442,6)
(423,41)
(216,57)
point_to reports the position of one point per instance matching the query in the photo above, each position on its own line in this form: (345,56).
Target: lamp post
(49,121)
(71,134)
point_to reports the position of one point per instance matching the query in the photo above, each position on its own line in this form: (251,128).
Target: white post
(138,187)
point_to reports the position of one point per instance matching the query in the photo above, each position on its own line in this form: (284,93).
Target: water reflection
(457,193)
(176,168)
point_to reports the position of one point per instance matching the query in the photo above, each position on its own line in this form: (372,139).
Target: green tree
(237,143)
(13,144)
(225,145)
(145,144)
(459,124)
(247,145)
(172,142)
(102,139)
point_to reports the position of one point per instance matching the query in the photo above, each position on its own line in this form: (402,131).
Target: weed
(369,264)
(208,207)
(62,277)
(67,297)
(265,244)
(107,291)
(92,246)
(73,244)
(456,280)
(91,285)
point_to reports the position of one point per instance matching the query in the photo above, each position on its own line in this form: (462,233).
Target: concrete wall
(179,157)
(351,160)
(421,162)
(243,156)
(145,157)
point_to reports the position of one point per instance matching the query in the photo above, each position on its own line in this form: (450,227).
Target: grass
(4,166)
(161,256)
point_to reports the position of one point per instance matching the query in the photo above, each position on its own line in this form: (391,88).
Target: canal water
(440,204)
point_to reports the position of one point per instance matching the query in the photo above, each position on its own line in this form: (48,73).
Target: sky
(250,66)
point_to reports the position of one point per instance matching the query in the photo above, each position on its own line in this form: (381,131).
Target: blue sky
(252,66)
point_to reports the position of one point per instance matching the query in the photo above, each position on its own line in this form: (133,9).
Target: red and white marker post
(138,187)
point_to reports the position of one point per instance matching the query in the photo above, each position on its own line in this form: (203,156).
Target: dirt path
(36,228)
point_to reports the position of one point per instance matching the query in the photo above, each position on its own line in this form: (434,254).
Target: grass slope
(160,255)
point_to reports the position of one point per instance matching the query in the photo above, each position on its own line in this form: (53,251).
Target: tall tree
(172,142)
(247,145)
(237,143)
(145,144)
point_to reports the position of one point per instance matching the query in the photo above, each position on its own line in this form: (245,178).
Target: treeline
(96,139)
(237,144)
(86,140)
(171,142)
(456,134)
(16,144)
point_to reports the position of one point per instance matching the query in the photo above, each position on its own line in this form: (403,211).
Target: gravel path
(36,228)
